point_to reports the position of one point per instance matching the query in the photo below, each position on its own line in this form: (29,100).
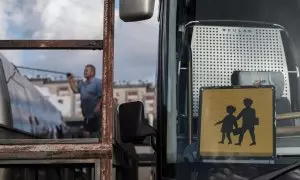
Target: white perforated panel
(217,51)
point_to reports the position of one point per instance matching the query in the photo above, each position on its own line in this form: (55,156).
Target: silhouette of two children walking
(249,121)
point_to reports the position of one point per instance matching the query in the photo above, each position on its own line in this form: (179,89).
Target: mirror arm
(153,143)
(152,136)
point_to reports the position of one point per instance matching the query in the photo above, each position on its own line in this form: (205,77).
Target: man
(90,96)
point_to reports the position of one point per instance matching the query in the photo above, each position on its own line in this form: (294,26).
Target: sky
(135,42)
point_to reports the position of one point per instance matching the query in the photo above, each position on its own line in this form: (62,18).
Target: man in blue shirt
(90,96)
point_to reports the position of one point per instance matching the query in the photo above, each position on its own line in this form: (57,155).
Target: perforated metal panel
(217,51)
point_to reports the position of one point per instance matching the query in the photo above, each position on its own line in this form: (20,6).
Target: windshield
(215,130)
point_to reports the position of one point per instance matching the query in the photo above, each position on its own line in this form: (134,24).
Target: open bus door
(95,152)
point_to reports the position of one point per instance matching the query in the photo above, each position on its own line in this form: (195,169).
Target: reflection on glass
(36,99)
(36,103)
(233,44)
(60,172)
(53,20)
(291,175)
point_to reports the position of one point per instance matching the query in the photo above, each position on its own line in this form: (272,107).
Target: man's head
(89,71)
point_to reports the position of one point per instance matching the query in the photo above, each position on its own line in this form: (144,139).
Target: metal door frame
(49,151)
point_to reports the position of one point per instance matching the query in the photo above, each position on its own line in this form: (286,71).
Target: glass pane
(46,94)
(41,100)
(292,175)
(80,171)
(51,19)
(264,51)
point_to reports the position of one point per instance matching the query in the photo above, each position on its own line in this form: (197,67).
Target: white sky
(135,43)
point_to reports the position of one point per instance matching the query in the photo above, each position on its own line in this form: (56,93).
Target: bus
(227,88)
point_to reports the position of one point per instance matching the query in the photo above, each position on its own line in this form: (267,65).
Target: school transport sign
(237,122)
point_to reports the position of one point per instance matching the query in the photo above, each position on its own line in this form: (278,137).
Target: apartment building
(60,94)
(137,92)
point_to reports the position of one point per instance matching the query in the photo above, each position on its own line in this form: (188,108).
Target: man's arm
(98,107)
(72,83)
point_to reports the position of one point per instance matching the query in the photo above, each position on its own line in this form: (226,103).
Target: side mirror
(133,128)
(136,10)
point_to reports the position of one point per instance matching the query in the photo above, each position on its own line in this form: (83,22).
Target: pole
(107,76)
(43,70)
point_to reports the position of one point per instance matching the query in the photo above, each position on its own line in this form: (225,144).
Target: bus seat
(220,48)
(249,78)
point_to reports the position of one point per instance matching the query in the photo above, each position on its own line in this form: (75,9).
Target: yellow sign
(237,122)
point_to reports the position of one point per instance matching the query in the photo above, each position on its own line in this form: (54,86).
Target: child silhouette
(227,124)
(249,121)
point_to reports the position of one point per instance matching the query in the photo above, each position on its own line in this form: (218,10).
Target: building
(60,94)
(143,92)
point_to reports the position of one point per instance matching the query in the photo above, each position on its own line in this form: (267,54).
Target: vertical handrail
(107,77)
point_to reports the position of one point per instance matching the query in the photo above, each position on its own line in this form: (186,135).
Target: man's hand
(69,75)
(73,86)
(98,107)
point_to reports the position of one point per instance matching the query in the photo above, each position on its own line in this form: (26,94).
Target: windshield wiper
(279,172)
